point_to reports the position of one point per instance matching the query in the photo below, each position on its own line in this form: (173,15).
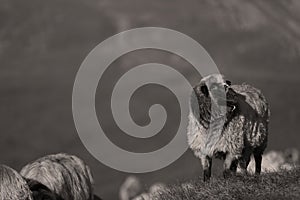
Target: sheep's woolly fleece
(12,185)
(65,175)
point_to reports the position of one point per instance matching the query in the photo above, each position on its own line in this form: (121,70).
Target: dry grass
(277,185)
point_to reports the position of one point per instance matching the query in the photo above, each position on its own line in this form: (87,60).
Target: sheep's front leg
(206,164)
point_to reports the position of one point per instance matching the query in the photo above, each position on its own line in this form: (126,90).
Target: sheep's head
(41,192)
(214,89)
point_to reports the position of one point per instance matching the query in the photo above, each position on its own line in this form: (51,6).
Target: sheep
(12,185)
(65,175)
(274,161)
(153,191)
(244,132)
(131,188)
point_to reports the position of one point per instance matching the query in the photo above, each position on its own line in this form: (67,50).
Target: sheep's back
(250,127)
(254,98)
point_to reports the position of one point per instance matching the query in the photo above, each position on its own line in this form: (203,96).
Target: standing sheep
(12,185)
(244,132)
(65,175)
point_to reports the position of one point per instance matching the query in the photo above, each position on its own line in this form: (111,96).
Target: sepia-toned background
(42,44)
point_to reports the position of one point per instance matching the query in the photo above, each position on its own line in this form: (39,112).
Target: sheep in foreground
(65,175)
(12,185)
(244,132)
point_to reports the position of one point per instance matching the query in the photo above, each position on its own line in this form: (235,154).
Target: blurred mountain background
(42,44)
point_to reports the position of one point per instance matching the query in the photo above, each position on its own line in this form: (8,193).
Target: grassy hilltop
(277,185)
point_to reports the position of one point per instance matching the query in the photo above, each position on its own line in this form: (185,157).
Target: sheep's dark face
(41,192)
(214,89)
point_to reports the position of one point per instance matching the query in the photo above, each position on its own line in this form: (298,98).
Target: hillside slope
(272,186)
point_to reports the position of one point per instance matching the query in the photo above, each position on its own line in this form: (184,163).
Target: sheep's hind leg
(233,166)
(258,158)
(206,164)
(244,161)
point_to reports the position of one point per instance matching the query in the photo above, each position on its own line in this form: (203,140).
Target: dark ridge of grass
(277,185)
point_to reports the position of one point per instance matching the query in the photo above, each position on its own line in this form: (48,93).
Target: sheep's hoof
(257,174)
(227,173)
(206,177)
(243,172)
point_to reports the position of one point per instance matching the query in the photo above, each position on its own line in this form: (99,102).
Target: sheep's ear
(198,89)
(228,82)
(204,90)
